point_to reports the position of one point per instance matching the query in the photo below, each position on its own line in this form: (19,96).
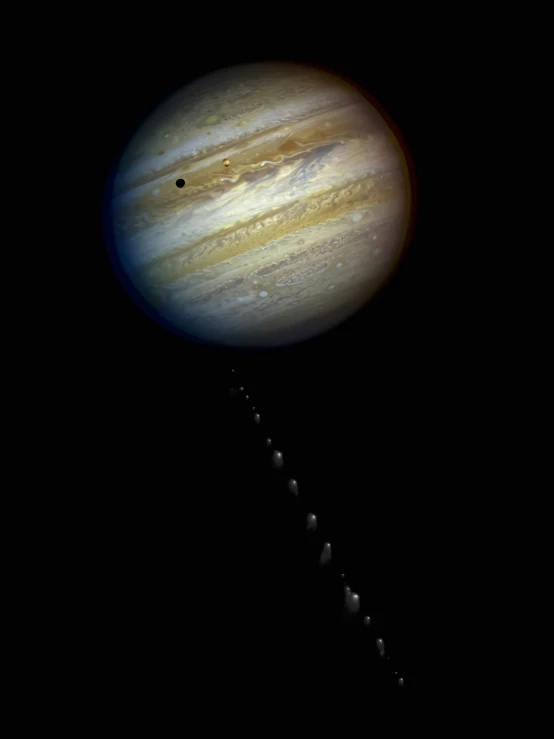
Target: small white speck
(166,136)
(374,237)
(255,282)
(356,217)
(262,294)
(339,264)
(331,287)
(156,191)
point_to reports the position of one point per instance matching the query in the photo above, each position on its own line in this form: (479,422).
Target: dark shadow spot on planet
(180,183)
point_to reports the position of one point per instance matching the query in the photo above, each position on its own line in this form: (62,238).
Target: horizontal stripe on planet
(324,127)
(266,227)
(340,173)
(227,297)
(233,105)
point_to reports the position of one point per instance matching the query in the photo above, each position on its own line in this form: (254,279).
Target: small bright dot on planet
(226,162)
(255,282)
(356,217)
(166,136)
(156,191)
(374,237)
(339,264)
(262,294)
(331,287)
(180,183)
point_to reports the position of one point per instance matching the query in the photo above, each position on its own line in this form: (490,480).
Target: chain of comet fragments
(351,599)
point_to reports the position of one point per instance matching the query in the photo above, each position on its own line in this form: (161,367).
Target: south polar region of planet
(293,213)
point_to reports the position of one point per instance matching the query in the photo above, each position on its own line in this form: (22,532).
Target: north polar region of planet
(260,205)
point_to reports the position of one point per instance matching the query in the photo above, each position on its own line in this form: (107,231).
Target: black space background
(201,568)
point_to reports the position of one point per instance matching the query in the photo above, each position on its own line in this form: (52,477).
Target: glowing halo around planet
(260,205)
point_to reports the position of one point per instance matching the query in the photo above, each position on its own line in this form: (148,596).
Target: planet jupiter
(260,205)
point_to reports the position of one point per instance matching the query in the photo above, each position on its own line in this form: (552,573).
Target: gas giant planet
(293,213)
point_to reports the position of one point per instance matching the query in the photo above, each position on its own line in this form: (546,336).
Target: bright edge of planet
(259,206)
